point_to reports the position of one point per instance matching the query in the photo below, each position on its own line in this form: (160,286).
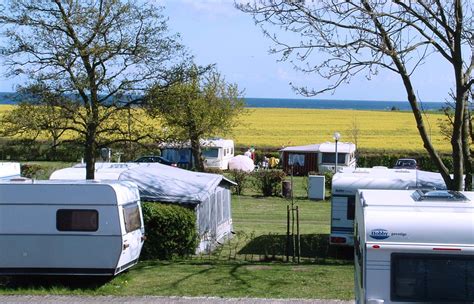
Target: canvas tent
(9,170)
(207,194)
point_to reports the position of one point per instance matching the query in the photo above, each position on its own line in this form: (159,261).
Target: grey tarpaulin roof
(158,182)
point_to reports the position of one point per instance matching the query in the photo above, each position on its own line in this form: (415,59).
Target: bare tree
(102,54)
(364,36)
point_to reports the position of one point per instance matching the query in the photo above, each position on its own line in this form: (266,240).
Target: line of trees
(90,65)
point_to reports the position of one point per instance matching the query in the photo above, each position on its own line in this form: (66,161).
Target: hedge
(170,230)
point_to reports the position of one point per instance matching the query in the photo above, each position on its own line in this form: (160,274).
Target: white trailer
(414,246)
(216,153)
(9,170)
(69,228)
(345,185)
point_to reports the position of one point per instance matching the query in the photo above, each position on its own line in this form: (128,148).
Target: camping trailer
(345,185)
(216,153)
(69,227)
(9,170)
(301,160)
(208,195)
(414,246)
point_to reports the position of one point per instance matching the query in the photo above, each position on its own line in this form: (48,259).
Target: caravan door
(132,235)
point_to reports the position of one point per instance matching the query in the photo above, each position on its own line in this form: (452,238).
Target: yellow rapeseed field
(377,130)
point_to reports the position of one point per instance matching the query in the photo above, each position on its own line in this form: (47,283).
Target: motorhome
(345,185)
(216,153)
(414,246)
(69,227)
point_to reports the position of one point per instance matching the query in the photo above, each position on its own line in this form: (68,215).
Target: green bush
(328,180)
(268,182)
(241,178)
(170,230)
(32,171)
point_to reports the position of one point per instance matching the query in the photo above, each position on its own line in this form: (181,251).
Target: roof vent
(438,195)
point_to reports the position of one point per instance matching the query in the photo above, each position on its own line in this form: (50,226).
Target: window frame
(396,257)
(124,213)
(94,211)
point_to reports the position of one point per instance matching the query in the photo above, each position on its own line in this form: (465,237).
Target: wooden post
(298,239)
(287,233)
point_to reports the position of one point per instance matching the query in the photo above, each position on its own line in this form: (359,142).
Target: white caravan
(345,185)
(414,246)
(10,170)
(216,153)
(69,228)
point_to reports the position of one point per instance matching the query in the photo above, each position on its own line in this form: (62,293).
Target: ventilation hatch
(438,195)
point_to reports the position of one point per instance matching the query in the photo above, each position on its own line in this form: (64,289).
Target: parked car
(406,163)
(155,159)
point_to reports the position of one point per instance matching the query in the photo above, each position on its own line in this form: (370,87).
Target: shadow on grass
(49,282)
(313,246)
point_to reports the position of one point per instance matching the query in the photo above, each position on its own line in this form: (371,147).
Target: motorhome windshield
(210,152)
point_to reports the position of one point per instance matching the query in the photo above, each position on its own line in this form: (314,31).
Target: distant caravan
(345,185)
(69,228)
(216,153)
(414,246)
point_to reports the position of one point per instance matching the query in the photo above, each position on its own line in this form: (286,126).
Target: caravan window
(429,277)
(131,215)
(330,158)
(77,220)
(296,159)
(210,152)
(350,207)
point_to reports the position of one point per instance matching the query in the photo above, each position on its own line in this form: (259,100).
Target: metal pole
(335,166)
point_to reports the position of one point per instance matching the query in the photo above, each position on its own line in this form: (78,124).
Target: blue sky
(215,32)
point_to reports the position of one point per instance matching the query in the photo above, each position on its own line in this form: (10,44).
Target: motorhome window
(350,207)
(77,220)
(330,158)
(296,159)
(231,150)
(210,152)
(429,277)
(131,215)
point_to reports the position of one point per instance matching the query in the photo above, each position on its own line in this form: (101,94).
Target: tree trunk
(89,152)
(466,141)
(196,150)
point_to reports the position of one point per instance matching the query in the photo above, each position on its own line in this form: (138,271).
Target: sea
(306,103)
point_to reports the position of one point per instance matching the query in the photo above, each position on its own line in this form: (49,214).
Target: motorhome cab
(414,246)
(69,228)
(346,184)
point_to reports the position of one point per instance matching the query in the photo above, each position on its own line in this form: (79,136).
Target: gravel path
(158,300)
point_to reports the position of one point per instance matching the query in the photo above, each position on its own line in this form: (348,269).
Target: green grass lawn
(252,264)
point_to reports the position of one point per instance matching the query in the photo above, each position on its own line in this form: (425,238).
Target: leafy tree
(364,36)
(102,54)
(203,104)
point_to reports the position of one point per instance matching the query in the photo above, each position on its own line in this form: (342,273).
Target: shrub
(170,230)
(268,182)
(328,180)
(241,178)
(32,171)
